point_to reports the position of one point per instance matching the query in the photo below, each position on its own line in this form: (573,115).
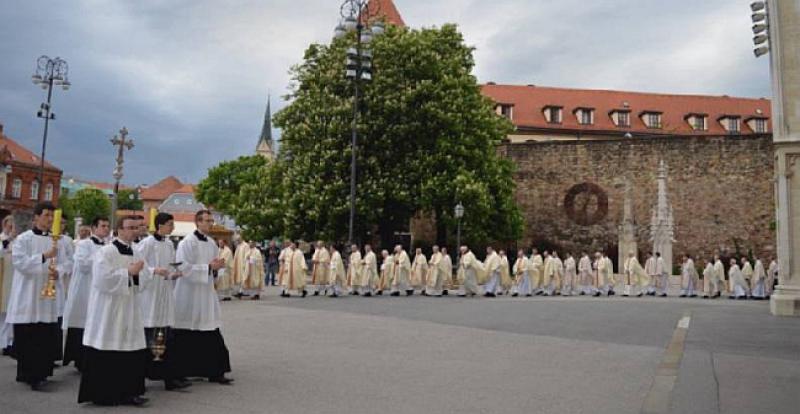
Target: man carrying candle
(34,315)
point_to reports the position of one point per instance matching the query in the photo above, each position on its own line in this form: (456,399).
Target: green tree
(88,203)
(248,190)
(129,200)
(428,140)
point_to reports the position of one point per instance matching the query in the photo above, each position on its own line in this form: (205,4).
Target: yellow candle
(56,230)
(153,213)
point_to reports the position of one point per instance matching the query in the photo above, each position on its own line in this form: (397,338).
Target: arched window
(48,192)
(35,190)
(16,188)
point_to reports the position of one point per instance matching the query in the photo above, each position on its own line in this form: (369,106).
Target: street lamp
(358,67)
(459,214)
(760,19)
(49,72)
(122,141)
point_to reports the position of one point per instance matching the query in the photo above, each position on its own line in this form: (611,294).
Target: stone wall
(720,188)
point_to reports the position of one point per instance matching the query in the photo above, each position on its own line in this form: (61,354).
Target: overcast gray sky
(189,78)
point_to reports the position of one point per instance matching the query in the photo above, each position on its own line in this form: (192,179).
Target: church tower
(265,144)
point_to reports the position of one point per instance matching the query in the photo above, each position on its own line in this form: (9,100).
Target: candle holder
(49,290)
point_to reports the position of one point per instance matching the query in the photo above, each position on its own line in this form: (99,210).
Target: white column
(784,22)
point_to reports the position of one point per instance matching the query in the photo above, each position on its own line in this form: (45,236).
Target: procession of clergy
(132,308)
(135,307)
(538,274)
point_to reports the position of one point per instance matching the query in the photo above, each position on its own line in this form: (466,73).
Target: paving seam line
(658,398)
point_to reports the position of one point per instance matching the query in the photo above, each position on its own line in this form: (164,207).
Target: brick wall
(720,188)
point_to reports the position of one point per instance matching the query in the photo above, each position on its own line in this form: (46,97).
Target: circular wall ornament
(586,204)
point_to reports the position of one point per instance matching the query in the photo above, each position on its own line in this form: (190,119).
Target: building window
(585,116)
(760,125)
(16,188)
(699,123)
(48,192)
(553,114)
(505,110)
(732,125)
(623,119)
(652,119)
(35,190)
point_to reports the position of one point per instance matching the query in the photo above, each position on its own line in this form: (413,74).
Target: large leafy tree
(129,200)
(428,140)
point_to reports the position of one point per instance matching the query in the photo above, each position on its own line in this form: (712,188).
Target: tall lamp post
(49,73)
(122,141)
(459,214)
(355,17)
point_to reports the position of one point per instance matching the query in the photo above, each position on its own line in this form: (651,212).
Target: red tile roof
(529,103)
(21,154)
(185,189)
(387,9)
(189,217)
(161,190)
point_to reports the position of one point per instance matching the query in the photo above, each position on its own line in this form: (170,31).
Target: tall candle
(152,226)
(56,230)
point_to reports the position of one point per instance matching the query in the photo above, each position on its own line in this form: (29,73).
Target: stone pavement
(502,355)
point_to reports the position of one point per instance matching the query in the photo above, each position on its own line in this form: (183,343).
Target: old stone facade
(721,190)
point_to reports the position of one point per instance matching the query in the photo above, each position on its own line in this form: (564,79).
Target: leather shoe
(136,401)
(221,380)
(176,384)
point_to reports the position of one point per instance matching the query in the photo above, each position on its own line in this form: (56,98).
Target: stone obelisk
(662,227)
(627,229)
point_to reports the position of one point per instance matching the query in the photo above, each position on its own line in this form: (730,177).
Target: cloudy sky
(189,78)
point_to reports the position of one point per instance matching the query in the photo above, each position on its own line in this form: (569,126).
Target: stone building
(720,188)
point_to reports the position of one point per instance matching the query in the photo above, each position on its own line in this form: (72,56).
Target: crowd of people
(134,306)
(547,274)
(121,309)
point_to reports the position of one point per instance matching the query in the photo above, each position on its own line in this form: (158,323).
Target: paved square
(453,355)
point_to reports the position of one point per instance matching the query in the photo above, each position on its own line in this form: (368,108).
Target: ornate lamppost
(49,72)
(355,17)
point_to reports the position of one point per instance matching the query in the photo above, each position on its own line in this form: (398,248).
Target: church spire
(265,142)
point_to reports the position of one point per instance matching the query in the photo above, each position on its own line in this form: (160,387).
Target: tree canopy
(427,140)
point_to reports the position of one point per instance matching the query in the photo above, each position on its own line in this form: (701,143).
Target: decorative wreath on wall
(586,204)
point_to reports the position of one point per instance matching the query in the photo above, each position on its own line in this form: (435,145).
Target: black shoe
(284,295)
(316,293)
(423,293)
(611,293)
(528,295)
(583,293)
(174,385)
(333,296)
(663,295)
(683,295)
(444,293)
(222,380)
(462,296)
(225,299)
(394,294)
(489,295)
(693,296)
(305,293)
(135,401)
(410,292)
(379,293)
(514,295)
(366,295)
(256,297)
(38,385)
(238,295)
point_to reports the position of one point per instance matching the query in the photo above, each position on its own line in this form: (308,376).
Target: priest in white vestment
(198,348)
(157,299)
(689,277)
(37,334)
(336,275)
(80,286)
(296,271)
(115,358)
(402,272)
(434,279)
(419,271)
(224,283)
(468,269)
(650,270)
(492,267)
(369,271)
(570,276)
(772,276)
(446,271)
(354,267)
(522,280)
(536,272)
(758,288)
(738,286)
(586,281)
(387,272)
(719,277)
(320,265)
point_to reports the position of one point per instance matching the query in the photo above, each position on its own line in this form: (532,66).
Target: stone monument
(662,227)
(627,229)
